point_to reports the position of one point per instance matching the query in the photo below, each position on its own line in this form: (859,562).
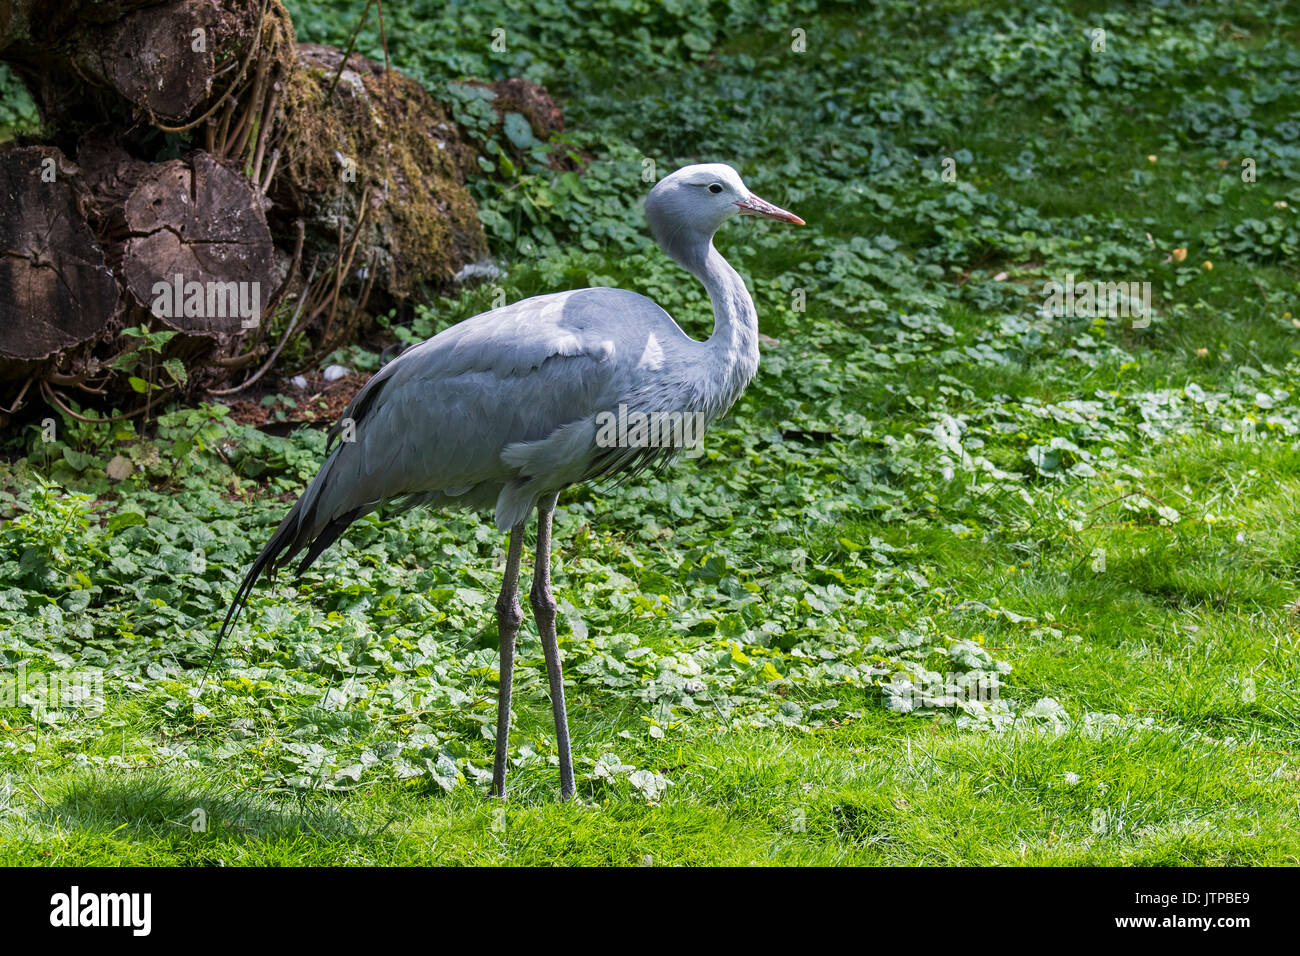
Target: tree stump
(85,62)
(56,290)
(197,254)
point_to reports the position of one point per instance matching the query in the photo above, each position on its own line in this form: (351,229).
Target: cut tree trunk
(196,224)
(86,62)
(56,289)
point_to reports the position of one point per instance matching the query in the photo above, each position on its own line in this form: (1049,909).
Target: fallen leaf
(119,469)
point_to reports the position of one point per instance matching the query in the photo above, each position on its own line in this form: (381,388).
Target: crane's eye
(715,188)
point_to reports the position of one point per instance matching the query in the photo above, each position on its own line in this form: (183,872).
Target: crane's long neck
(733,346)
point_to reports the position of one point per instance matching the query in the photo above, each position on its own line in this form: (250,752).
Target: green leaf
(79,461)
(126,519)
(176,369)
(518,131)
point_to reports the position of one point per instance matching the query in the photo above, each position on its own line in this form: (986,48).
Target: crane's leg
(543,602)
(509,616)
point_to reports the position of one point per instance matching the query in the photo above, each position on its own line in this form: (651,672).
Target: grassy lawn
(770,652)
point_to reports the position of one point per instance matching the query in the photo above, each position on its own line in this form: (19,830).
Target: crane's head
(689,205)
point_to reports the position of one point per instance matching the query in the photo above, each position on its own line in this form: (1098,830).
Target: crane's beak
(754,206)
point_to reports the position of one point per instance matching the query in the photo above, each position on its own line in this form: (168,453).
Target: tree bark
(56,290)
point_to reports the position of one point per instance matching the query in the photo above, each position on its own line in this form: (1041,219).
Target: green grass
(927,475)
(883,791)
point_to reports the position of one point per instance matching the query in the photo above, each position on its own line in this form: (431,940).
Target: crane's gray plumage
(500,411)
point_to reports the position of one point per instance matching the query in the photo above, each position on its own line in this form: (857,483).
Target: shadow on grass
(152,807)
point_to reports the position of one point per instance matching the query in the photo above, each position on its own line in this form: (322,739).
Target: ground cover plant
(960,579)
